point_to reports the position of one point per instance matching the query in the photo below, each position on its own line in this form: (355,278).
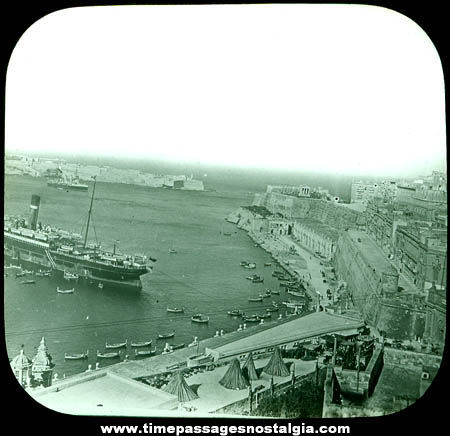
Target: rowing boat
(115,346)
(145,352)
(141,344)
(175,309)
(76,356)
(166,335)
(199,318)
(254,300)
(67,291)
(111,355)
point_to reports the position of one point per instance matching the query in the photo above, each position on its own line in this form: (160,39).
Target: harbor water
(203,276)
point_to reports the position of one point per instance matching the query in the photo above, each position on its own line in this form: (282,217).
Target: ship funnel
(34,206)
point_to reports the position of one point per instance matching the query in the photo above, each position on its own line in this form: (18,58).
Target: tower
(42,366)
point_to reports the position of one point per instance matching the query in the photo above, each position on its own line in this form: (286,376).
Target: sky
(330,88)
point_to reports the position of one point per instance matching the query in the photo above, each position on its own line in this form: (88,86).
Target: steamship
(34,245)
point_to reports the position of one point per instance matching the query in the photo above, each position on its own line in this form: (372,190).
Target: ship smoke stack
(34,206)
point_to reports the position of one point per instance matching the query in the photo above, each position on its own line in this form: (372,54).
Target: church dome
(20,362)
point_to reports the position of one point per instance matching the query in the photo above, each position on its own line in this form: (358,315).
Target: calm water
(204,276)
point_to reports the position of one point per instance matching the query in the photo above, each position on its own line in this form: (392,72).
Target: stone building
(280,226)
(317,237)
(435,324)
(296,191)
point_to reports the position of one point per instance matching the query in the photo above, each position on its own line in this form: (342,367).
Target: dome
(20,362)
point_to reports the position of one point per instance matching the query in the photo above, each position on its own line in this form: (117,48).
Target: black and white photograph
(225,211)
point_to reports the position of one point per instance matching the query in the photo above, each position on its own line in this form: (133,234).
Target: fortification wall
(372,293)
(325,212)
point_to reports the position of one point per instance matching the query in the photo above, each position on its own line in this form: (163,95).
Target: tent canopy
(249,367)
(276,366)
(233,378)
(178,387)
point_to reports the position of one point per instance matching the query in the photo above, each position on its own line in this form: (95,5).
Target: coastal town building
(296,191)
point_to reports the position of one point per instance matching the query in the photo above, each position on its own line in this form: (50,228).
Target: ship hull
(30,255)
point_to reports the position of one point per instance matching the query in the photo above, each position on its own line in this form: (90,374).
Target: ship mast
(90,211)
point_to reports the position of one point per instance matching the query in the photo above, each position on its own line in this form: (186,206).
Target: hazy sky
(309,87)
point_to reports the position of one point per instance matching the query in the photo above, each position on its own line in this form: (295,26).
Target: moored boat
(235,312)
(145,352)
(252,277)
(266,315)
(200,318)
(243,263)
(177,346)
(21,274)
(115,346)
(70,276)
(267,264)
(251,319)
(166,335)
(27,282)
(141,344)
(76,356)
(255,299)
(276,292)
(175,309)
(266,295)
(66,291)
(110,355)
(258,280)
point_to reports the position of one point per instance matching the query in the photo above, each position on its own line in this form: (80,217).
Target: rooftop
(315,324)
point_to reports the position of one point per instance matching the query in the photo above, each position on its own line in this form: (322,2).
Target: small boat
(70,276)
(255,299)
(276,292)
(27,282)
(226,233)
(100,285)
(252,277)
(43,273)
(141,344)
(251,319)
(199,318)
(273,309)
(119,345)
(76,356)
(177,346)
(258,280)
(166,336)
(21,274)
(175,309)
(110,355)
(235,312)
(67,291)
(266,315)
(172,251)
(244,263)
(267,264)
(145,352)
(250,265)
(266,295)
